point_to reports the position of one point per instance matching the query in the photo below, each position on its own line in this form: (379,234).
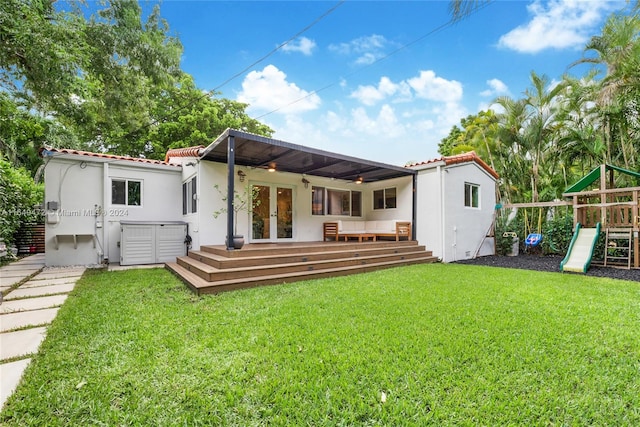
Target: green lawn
(445,344)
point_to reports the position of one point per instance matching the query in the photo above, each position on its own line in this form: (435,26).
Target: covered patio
(296,174)
(236,148)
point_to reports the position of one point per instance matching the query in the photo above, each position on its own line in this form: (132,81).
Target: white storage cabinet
(144,242)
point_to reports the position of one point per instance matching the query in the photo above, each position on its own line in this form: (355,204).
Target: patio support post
(414,209)
(231,159)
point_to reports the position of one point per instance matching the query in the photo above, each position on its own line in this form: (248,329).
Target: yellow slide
(581,248)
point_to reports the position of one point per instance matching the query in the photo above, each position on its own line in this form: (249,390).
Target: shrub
(504,240)
(557,234)
(19,196)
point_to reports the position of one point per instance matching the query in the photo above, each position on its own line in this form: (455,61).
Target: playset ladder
(617,253)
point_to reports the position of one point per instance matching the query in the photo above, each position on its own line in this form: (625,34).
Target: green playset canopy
(594,175)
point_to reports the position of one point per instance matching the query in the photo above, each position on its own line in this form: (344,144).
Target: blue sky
(339,86)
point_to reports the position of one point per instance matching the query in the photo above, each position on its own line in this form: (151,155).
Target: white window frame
(384,198)
(126,191)
(190,197)
(325,201)
(469,190)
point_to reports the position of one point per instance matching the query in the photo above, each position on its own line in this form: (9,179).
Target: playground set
(609,209)
(599,207)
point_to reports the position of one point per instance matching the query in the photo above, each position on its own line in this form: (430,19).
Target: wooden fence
(30,239)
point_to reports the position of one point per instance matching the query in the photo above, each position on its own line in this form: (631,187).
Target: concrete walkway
(25,312)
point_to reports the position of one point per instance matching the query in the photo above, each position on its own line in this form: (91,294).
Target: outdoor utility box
(147,242)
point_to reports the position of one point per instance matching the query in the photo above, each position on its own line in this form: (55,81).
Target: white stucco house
(104,208)
(456,205)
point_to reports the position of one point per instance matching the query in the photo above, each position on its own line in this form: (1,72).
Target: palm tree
(543,102)
(528,128)
(617,50)
(512,156)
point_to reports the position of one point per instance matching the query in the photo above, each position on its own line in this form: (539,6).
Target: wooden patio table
(360,236)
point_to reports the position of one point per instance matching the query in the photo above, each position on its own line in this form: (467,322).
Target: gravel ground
(550,263)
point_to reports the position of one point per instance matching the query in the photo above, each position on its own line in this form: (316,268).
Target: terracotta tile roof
(471,156)
(99,155)
(184,152)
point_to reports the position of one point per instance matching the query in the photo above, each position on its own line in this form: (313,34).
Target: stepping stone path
(32,295)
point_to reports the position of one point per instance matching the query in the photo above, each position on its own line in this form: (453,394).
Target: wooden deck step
(215,269)
(201,286)
(219,261)
(266,249)
(211,273)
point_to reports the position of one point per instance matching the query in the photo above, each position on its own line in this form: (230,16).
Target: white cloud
(336,122)
(269,90)
(368,49)
(378,127)
(370,95)
(558,24)
(496,87)
(302,45)
(384,126)
(431,87)
(426,86)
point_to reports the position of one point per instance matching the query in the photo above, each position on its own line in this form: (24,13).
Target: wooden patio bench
(334,230)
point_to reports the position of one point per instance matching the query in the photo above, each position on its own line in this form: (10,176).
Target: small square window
(385,198)
(126,192)
(471,195)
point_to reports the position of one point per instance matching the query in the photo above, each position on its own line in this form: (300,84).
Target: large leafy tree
(111,80)
(41,51)
(95,76)
(189,117)
(131,63)
(478,133)
(23,132)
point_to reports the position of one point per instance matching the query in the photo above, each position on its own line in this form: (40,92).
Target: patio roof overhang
(237,148)
(260,152)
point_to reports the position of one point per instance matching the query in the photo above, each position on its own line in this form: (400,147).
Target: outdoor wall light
(359,179)
(272,167)
(241,175)
(305,181)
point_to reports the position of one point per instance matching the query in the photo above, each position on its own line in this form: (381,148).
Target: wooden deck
(214,269)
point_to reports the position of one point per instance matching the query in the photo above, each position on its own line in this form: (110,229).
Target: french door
(272,213)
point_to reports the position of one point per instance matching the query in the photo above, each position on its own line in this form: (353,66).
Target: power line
(305,29)
(452,21)
(212,91)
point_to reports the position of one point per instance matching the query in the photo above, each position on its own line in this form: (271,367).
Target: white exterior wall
(445,226)
(191,167)
(465,228)
(404,200)
(77,191)
(207,230)
(429,211)
(80,184)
